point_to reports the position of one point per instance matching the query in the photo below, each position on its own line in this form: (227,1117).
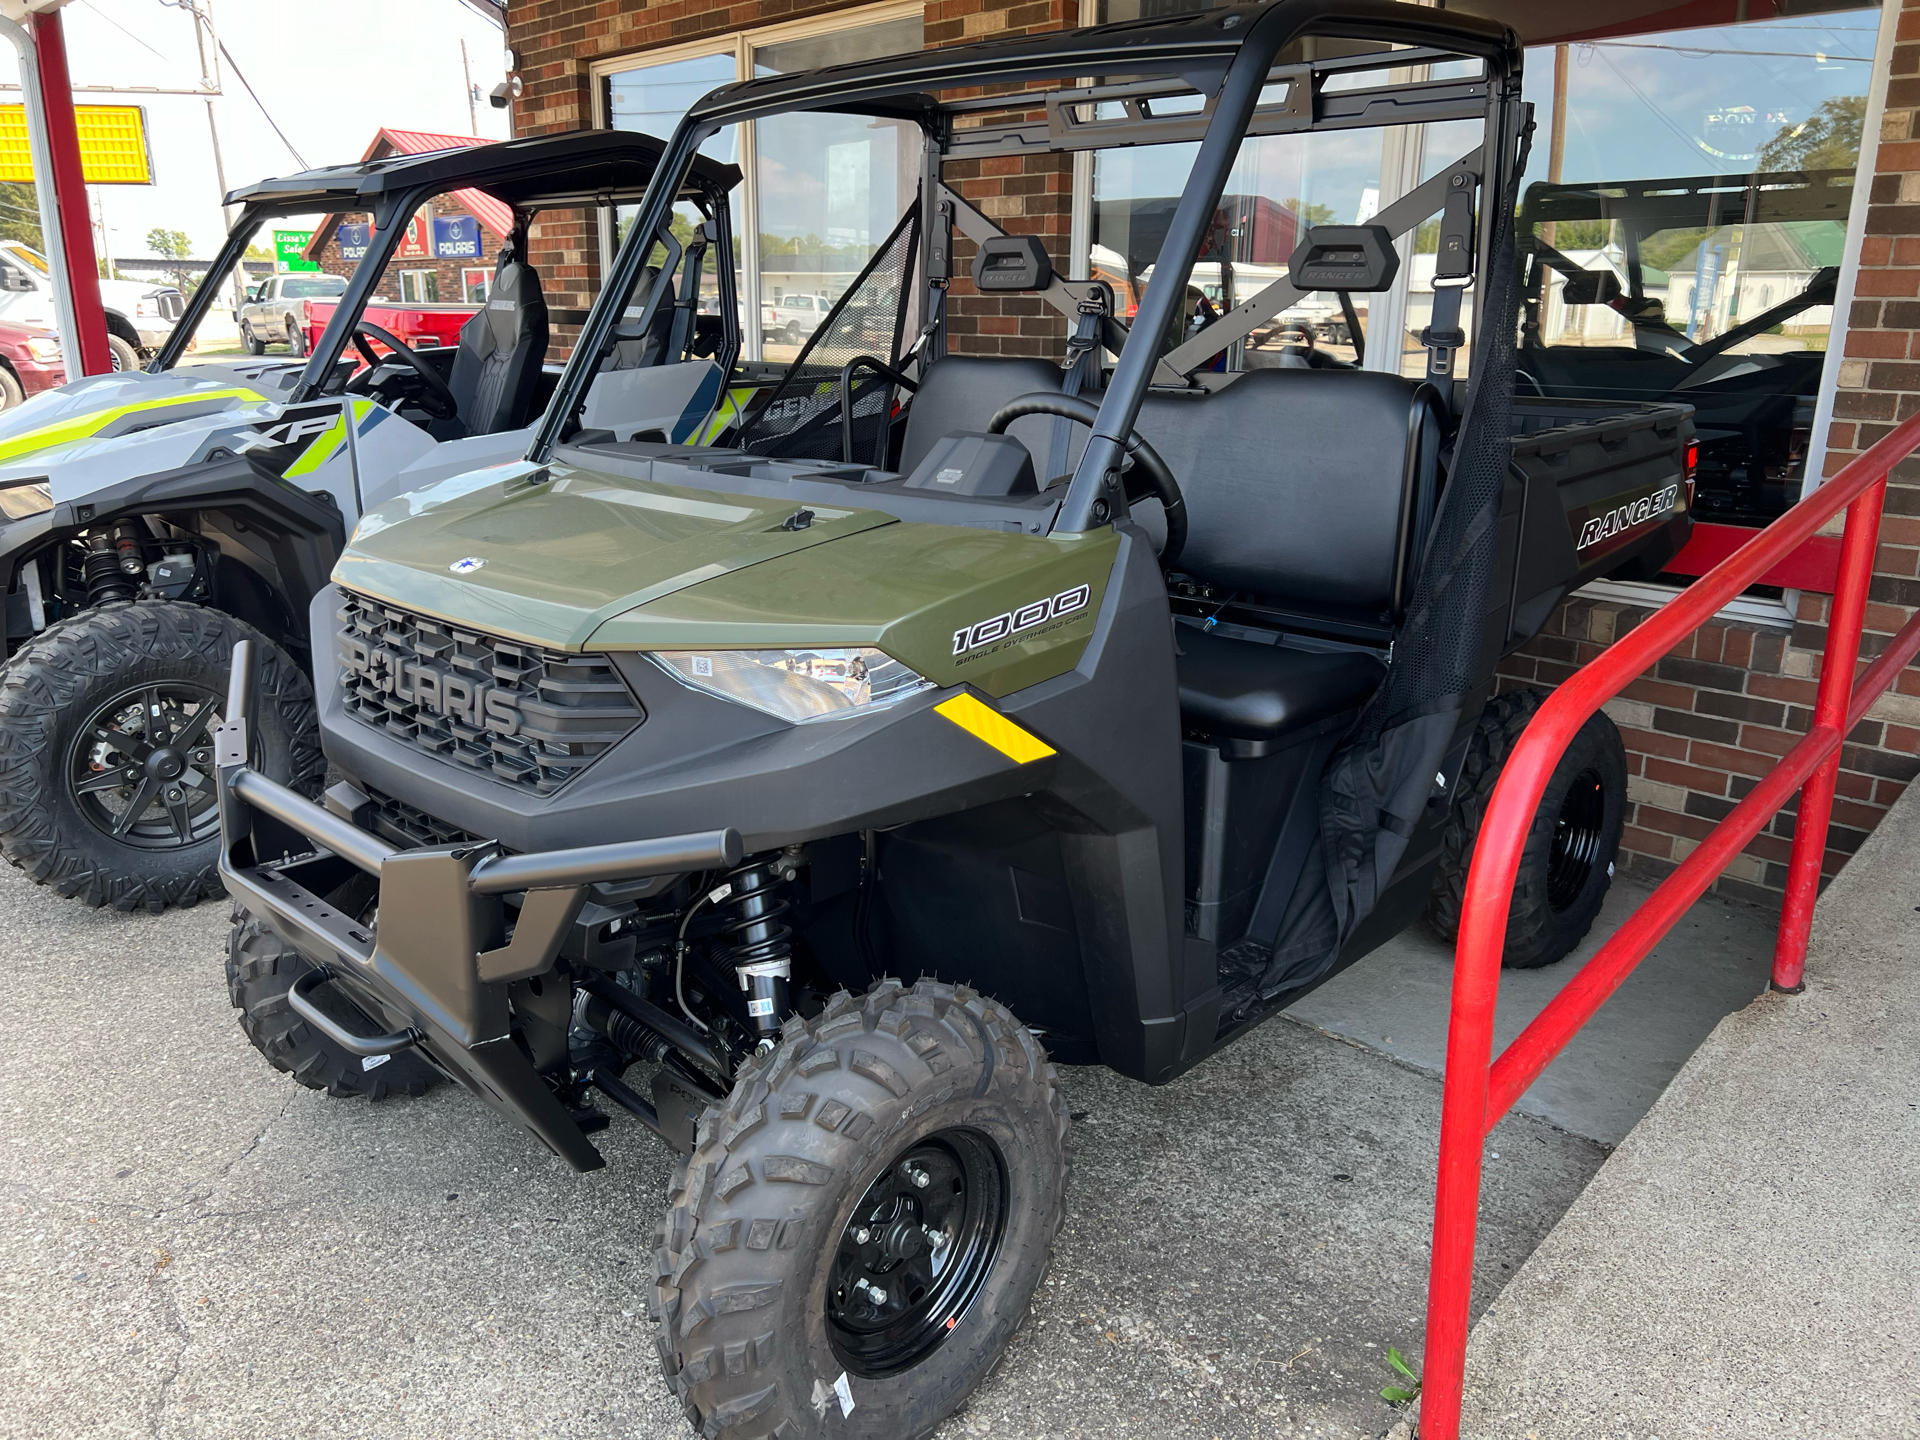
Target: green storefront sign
(289,248)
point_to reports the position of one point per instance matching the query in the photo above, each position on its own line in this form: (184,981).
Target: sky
(330,75)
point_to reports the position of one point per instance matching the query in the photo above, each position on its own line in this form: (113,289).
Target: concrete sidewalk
(1747,1262)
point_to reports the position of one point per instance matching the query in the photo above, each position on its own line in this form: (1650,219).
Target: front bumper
(38,375)
(438,969)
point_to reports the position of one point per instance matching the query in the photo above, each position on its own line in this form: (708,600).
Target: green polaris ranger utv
(805,798)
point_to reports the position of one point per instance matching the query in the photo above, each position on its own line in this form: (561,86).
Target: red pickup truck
(421,326)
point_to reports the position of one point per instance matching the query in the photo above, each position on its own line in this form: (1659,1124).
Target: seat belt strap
(1452,273)
(1081,362)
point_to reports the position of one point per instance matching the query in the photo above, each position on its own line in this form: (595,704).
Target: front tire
(1567,865)
(12,393)
(261,968)
(253,343)
(108,801)
(125,356)
(865,1223)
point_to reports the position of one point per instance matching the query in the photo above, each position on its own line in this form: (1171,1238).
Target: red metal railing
(1478,1094)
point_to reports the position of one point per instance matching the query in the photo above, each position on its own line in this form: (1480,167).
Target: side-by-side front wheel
(260,971)
(1567,865)
(107,787)
(862,1228)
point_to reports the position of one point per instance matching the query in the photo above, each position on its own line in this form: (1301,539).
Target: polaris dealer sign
(456,237)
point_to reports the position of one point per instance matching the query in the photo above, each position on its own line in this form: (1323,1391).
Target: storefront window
(1683,219)
(829,187)
(1687,229)
(822,191)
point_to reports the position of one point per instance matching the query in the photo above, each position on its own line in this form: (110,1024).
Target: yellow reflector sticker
(984,723)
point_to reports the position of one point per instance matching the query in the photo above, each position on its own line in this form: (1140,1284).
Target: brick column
(1030,195)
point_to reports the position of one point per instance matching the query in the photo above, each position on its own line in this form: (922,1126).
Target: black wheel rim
(918,1248)
(141,768)
(1578,833)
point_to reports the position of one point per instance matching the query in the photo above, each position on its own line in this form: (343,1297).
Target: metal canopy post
(60,187)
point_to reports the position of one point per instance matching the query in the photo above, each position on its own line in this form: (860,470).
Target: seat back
(961,392)
(497,370)
(636,349)
(1307,488)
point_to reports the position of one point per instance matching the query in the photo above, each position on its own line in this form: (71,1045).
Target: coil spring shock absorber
(113,566)
(758,941)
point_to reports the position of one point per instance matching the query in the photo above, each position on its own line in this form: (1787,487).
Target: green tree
(1829,139)
(173,245)
(1309,214)
(20,213)
(1665,249)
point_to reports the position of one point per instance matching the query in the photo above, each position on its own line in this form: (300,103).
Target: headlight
(43,349)
(21,498)
(797,685)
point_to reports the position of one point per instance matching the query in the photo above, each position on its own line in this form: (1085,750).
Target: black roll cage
(1228,56)
(580,168)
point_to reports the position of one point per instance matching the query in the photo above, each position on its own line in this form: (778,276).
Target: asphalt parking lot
(192,1245)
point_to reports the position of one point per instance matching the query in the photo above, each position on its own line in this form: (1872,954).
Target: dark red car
(29,363)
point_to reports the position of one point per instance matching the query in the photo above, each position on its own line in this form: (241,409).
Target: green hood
(559,557)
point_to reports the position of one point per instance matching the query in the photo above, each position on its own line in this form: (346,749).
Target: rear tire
(64,702)
(1567,866)
(296,339)
(125,356)
(261,968)
(753,1316)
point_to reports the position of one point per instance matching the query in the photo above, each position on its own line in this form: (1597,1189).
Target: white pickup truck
(790,319)
(140,313)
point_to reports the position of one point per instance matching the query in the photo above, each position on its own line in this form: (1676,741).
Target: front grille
(409,825)
(526,717)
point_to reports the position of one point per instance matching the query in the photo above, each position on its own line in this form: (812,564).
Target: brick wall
(1023,195)
(1710,718)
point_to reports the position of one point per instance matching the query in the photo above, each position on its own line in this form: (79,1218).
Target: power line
(125,31)
(240,75)
(1698,52)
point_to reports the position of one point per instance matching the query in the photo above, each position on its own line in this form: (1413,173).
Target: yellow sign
(113,144)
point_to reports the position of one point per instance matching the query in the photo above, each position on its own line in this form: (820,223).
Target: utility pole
(204,40)
(100,223)
(1556,135)
(473,115)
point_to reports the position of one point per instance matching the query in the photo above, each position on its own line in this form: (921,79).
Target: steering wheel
(437,400)
(1146,460)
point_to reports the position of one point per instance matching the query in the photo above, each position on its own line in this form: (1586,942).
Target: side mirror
(11,279)
(1591,287)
